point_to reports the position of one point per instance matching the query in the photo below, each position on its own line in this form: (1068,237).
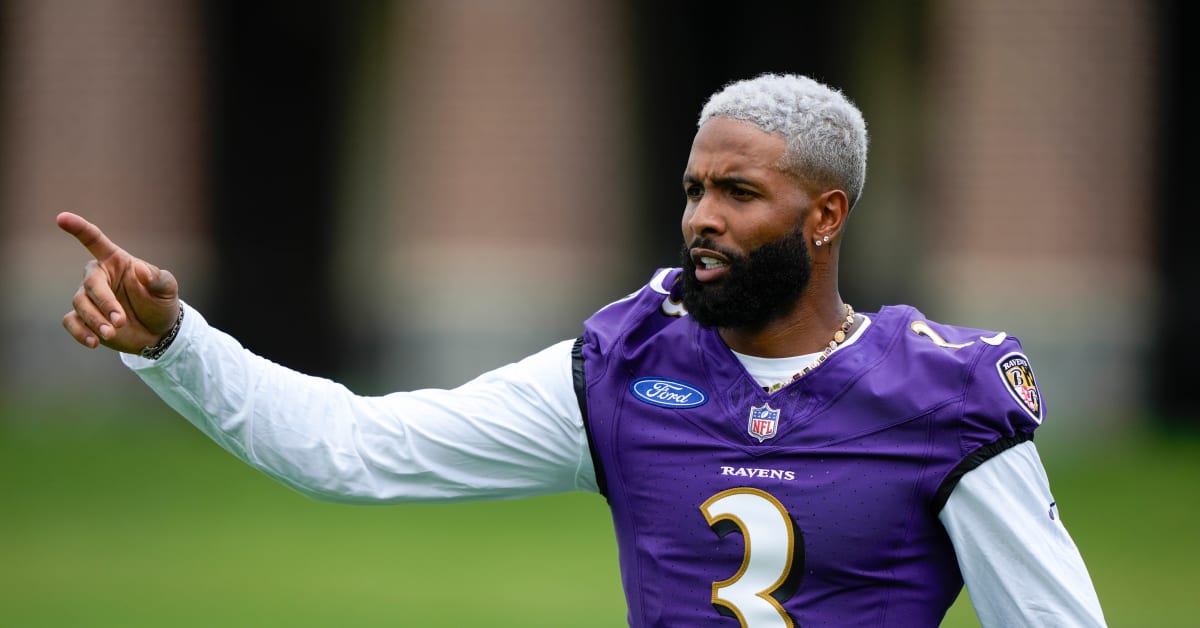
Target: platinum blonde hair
(825,133)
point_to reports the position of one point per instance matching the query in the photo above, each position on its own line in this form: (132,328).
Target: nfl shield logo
(764,421)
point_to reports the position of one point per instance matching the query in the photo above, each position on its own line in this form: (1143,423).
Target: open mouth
(710,264)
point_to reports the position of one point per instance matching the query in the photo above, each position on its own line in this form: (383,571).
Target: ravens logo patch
(1018,378)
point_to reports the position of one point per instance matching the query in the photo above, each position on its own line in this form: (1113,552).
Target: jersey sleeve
(512,432)
(1002,396)
(1001,407)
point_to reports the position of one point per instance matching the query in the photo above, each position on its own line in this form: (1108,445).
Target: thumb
(158,282)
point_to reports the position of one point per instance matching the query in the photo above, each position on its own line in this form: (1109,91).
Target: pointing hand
(123,303)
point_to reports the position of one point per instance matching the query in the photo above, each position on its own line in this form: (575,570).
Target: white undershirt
(771,372)
(517,431)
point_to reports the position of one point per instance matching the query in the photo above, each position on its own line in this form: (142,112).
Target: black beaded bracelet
(155,351)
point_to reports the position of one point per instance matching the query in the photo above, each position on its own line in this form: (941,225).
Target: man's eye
(693,191)
(741,193)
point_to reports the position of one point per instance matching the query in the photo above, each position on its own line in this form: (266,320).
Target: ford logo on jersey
(667,393)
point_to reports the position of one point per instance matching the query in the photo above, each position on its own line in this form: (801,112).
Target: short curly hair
(825,133)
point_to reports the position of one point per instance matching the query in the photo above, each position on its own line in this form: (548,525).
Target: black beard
(759,287)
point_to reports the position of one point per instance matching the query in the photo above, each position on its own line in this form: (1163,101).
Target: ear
(832,208)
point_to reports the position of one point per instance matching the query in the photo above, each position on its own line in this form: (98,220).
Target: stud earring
(826,238)
(818,243)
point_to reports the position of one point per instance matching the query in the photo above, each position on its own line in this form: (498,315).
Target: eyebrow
(722,182)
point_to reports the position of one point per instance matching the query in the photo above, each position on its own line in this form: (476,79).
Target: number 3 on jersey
(773,562)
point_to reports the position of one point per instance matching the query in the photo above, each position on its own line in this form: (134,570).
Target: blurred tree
(277,70)
(1174,392)
(685,51)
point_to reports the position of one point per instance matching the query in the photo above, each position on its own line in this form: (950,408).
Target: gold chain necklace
(839,336)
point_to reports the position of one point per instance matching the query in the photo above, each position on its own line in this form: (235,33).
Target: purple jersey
(815,505)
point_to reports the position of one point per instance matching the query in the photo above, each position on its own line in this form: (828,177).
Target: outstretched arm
(124,302)
(511,432)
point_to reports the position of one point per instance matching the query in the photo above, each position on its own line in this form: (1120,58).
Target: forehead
(725,146)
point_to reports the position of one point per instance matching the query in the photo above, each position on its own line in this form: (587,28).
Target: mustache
(704,243)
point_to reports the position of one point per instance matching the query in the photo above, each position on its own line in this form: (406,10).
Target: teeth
(710,262)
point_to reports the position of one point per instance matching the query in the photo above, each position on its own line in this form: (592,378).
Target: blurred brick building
(403,194)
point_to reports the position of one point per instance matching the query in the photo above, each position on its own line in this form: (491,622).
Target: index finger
(89,235)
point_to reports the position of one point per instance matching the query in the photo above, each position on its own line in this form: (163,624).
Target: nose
(704,217)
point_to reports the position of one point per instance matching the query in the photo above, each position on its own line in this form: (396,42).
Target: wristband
(155,351)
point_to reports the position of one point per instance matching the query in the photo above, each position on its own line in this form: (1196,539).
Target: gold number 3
(773,562)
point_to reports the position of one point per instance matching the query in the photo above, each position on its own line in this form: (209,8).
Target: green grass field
(111,521)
